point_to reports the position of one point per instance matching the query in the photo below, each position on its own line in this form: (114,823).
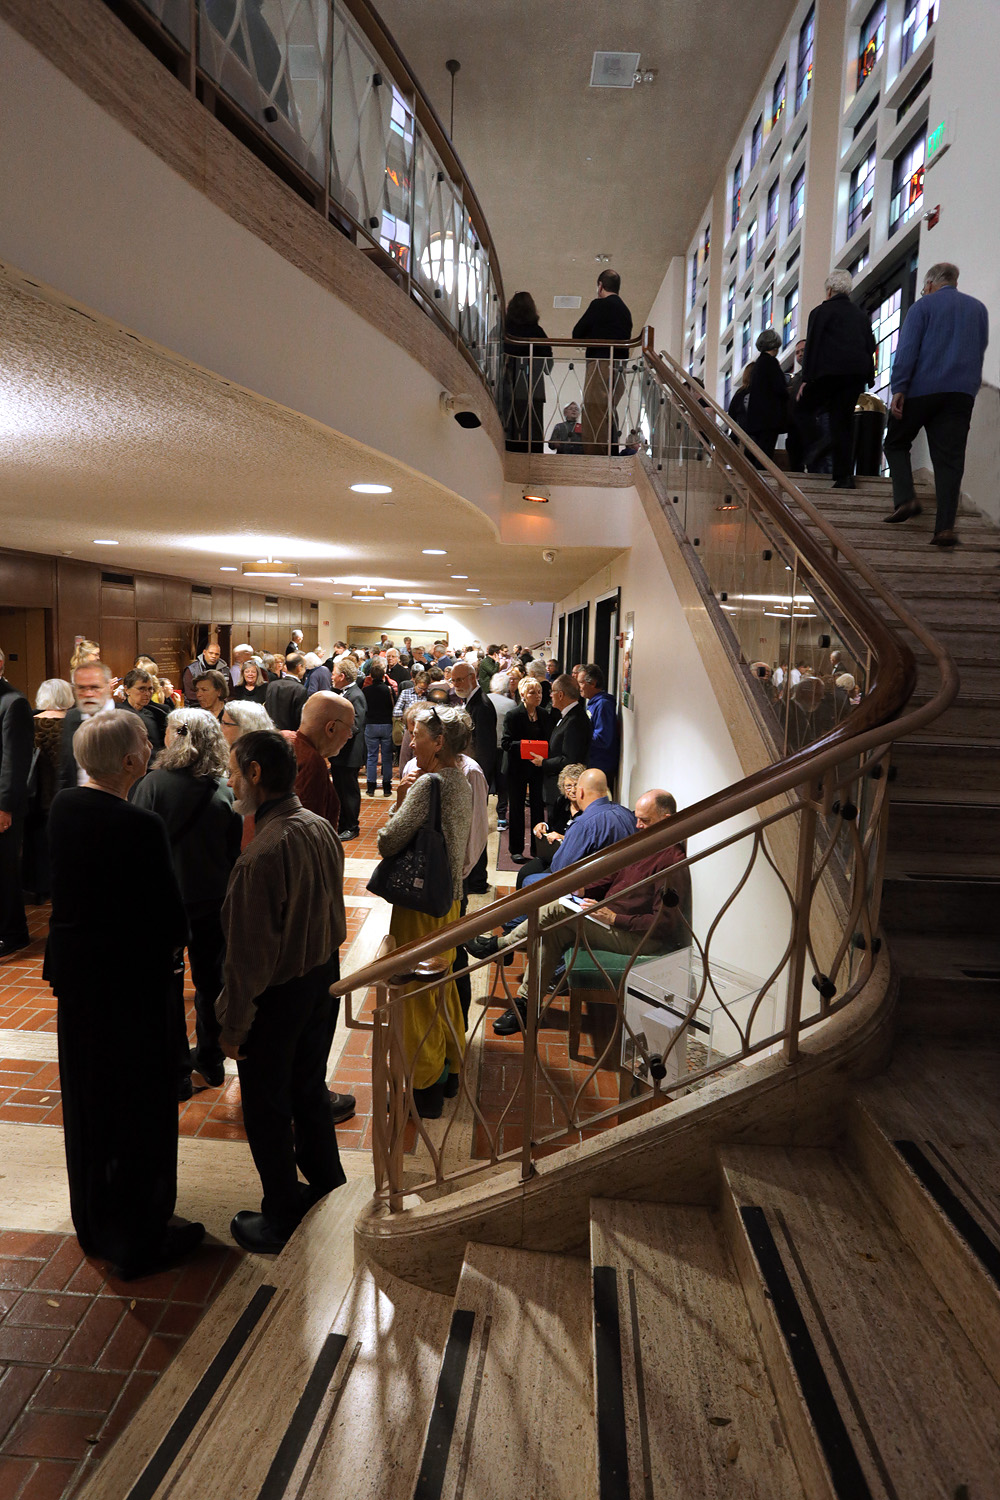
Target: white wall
(963,182)
(524,623)
(666,316)
(676,737)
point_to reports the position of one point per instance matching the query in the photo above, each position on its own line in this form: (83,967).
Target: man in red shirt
(327,724)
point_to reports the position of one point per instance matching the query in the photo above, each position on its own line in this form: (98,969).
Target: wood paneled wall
(159,615)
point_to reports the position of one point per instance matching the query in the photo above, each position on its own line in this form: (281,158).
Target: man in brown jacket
(284,922)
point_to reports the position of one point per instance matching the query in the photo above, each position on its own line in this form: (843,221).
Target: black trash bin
(869,428)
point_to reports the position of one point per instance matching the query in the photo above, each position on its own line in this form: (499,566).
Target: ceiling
(105,436)
(566,172)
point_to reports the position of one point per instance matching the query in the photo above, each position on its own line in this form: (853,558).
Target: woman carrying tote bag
(439,736)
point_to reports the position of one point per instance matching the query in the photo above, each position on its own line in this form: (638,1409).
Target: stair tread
(524,1423)
(917,1401)
(948,955)
(957,867)
(937,796)
(258,1396)
(683,1283)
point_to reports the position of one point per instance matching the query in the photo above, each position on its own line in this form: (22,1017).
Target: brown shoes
(944,539)
(904,512)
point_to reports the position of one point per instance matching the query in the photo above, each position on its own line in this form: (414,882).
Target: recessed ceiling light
(472,591)
(459,575)
(434,552)
(298,585)
(104,541)
(228,569)
(372,489)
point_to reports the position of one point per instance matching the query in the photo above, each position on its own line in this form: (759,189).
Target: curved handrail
(865,731)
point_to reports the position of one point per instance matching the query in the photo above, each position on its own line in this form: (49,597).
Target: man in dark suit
(17,744)
(92,686)
(482,747)
(607,317)
(345,765)
(286,694)
(569,743)
(839,364)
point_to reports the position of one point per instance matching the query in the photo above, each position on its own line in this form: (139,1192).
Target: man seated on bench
(614,923)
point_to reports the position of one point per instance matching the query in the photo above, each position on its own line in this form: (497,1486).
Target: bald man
(326,726)
(657,916)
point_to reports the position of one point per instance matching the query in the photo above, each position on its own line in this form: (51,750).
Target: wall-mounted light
(536,494)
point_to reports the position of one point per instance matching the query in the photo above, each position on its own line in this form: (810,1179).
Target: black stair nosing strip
(441,1428)
(846,1473)
(302,1418)
(612,1441)
(197,1403)
(954,1210)
(640,1390)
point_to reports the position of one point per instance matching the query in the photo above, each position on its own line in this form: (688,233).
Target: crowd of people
(936,372)
(211,819)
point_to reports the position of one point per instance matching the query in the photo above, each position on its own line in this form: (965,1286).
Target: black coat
(283,700)
(153,716)
(529,330)
(839,341)
(483,747)
(517,727)
(569,744)
(609,318)
(353,754)
(68,767)
(767,404)
(17,746)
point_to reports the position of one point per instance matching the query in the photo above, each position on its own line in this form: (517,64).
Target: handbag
(419,876)
(534,747)
(398,730)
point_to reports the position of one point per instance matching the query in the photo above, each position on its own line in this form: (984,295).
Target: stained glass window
(886,320)
(730,303)
(804,71)
(778,98)
(766,308)
(745,342)
(756,140)
(857,266)
(796,202)
(790,322)
(907,184)
(751,244)
(727,388)
(772,206)
(737,194)
(918,18)
(693,294)
(861,194)
(871,40)
(707,245)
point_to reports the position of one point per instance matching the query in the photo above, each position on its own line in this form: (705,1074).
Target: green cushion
(585,974)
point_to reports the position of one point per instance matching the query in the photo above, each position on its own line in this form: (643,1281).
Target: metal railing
(322,94)
(553,398)
(807,831)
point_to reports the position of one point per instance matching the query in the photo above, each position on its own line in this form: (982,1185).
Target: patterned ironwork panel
(173,15)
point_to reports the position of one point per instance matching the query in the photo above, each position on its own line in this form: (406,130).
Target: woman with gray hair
(767,401)
(187,788)
(839,363)
(440,734)
(117,1021)
(243,717)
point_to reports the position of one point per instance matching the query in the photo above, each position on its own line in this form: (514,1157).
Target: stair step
(978,680)
(963,720)
(943,826)
(927,1137)
(695,1415)
(514,1414)
(239,1382)
(936,764)
(916,902)
(881,1390)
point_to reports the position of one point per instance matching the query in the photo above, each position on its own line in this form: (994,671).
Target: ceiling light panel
(614,70)
(372,489)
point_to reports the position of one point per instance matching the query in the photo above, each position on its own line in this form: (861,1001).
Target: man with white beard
(284,922)
(92,685)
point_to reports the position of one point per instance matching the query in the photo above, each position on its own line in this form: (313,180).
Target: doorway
(22,636)
(577,637)
(606,627)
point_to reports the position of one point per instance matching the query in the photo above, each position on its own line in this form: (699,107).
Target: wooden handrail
(877,721)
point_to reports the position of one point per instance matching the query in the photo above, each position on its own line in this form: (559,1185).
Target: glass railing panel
(473,290)
(274,62)
(372,142)
(436,231)
(174,16)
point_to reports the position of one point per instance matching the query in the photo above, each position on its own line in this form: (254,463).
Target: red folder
(534,747)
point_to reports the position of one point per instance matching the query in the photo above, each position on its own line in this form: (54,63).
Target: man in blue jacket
(936,374)
(603,714)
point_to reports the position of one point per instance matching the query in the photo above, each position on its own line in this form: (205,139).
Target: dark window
(694,281)
(756,140)
(737,195)
(871,41)
(766,308)
(796,202)
(751,245)
(915,93)
(730,302)
(778,98)
(862,192)
(804,71)
(704,319)
(790,322)
(918,18)
(857,266)
(772,206)
(907,183)
(727,388)
(745,342)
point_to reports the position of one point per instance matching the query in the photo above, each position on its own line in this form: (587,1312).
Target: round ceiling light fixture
(372,489)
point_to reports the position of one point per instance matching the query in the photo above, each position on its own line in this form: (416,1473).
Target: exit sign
(939,140)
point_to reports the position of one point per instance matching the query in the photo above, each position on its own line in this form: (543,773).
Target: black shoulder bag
(419,876)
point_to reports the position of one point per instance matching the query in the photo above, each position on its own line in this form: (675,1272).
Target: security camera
(459,407)
(548,557)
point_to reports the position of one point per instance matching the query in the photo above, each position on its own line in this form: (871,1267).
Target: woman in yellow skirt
(433,1047)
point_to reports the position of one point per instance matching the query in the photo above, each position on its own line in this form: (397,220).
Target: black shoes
(520,859)
(253,1232)
(512,1022)
(178,1240)
(10,946)
(904,512)
(344,1106)
(843,484)
(185,1089)
(214,1074)
(350,833)
(371,789)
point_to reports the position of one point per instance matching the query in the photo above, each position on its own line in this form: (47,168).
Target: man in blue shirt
(936,373)
(603,714)
(601,822)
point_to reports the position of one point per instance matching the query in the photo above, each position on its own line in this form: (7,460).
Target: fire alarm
(932,216)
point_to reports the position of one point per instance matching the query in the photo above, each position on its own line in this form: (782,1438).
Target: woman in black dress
(524,372)
(117,1022)
(252,687)
(529,721)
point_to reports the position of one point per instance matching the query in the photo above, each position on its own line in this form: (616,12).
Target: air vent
(314,604)
(565,302)
(270,598)
(124,579)
(202,590)
(614,70)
